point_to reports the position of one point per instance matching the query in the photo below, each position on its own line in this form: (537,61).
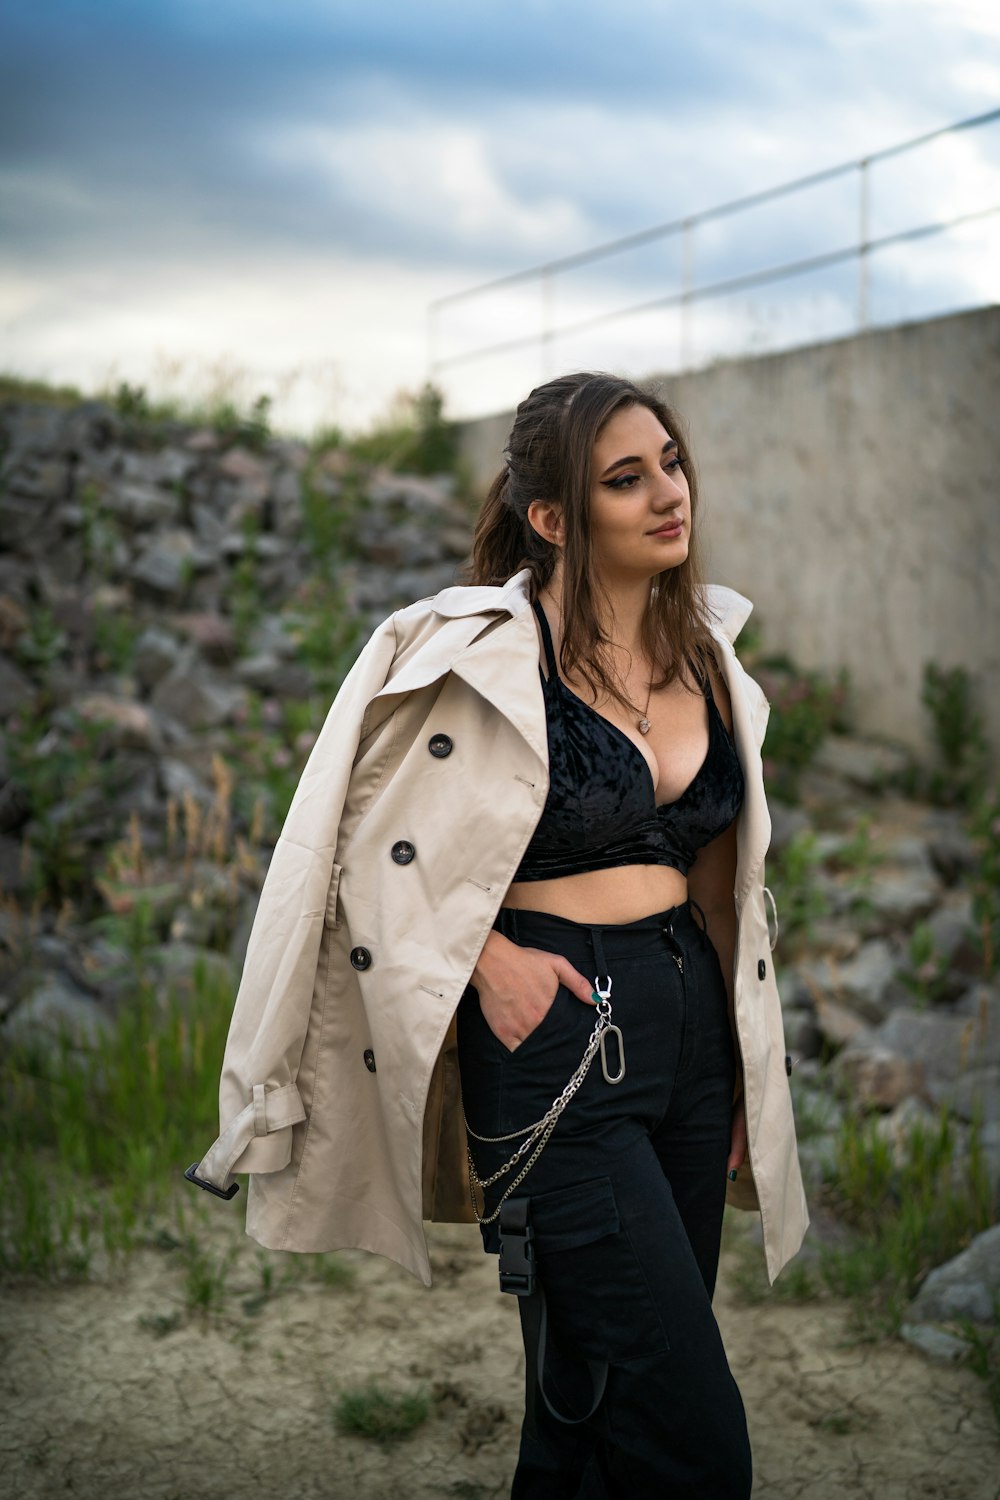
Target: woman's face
(640,504)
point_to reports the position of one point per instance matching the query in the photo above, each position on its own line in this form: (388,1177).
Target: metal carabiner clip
(605,1008)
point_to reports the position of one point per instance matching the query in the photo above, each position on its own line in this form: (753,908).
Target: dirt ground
(101,1395)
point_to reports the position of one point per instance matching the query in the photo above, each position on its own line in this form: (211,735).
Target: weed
(93,1139)
(414,436)
(385,1416)
(332,1271)
(983,1356)
(160,1324)
(244,588)
(984,880)
(805,706)
(798,893)
(957,726)
(69,781)
(205,1276)
(926,972)
(907,1218)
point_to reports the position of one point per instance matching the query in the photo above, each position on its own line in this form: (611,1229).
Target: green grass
(93,1139)
(384,1416)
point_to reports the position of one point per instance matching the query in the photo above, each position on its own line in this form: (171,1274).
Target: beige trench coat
(339,1091)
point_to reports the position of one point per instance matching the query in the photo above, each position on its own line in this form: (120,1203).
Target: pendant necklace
(644,722)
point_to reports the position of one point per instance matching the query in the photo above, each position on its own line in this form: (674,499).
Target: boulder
(965,1287)
(53,1007)
(141,505)
(866,763)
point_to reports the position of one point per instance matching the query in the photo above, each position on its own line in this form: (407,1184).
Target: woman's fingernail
(594,998)
(732,1175)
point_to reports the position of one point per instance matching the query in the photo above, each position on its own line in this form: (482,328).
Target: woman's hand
(738,1137)
(518,985)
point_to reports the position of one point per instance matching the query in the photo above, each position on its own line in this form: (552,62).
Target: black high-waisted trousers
(626,1205)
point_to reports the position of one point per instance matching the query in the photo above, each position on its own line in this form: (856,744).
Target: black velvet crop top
(601,808)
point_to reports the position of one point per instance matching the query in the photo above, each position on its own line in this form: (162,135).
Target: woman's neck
(620,616)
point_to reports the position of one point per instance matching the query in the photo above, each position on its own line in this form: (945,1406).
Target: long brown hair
(549,456)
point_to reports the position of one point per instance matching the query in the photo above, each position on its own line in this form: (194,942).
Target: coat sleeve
(259,1101)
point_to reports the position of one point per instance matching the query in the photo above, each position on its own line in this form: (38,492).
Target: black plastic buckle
(517,1253)
(192,1176)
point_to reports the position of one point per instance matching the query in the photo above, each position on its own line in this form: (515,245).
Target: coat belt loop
(259,1110)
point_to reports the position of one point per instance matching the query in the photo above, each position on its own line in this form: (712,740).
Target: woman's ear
(547,519)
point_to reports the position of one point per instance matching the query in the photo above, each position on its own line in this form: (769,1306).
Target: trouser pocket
(599,1302)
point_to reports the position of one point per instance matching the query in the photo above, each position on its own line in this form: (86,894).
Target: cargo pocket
(599,1301)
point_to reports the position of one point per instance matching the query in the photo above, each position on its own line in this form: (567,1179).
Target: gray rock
(786,822)
(178,780)
(130,725)
(209,526)
(16,688)
(45,479)
(56,1006)
(925,1053)
(803,1037)
(240,464)
(862,981)
(897,1126)
(863,762)
(900,900)
(156,652)
(168,466)
(142,505)
(937,1343)
(952,854)
(976,1094)
(964,1287)
(15,805)
(197,697)
(165,567)
(838,1024)
(877,1077)
(268,673)
(953,933)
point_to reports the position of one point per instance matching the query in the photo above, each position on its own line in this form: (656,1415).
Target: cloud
(377,157)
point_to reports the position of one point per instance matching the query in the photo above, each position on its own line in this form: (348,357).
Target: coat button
(369,1060)
(403,851)
(788,1064)
(440,745)
(761,968)
(361,958)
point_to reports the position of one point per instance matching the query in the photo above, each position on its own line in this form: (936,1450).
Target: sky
(200,196)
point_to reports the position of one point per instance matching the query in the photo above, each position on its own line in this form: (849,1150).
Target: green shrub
(385,1416)
(984,880)
(94,1139)
(414,437)
(793,878)
(805,707)
(963,750)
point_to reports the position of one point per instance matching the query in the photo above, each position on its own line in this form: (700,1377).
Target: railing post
(864,237)
(687,290)
(548,308)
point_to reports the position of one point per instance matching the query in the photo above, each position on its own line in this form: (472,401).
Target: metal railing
(690,293)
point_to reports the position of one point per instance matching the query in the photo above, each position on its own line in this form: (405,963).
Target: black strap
(516,1254)
(550,655)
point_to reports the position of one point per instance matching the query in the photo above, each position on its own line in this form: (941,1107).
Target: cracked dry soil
(96,1402)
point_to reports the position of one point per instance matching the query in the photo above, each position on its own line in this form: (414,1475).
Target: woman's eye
(675,463)
(623,482)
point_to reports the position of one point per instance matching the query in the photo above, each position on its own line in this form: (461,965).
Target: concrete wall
(852,491)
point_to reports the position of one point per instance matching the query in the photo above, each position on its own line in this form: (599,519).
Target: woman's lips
(673,529)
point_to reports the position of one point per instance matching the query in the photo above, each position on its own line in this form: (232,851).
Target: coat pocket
(330,918)
(599,1301)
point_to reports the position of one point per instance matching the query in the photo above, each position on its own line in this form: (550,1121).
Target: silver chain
(541,1130)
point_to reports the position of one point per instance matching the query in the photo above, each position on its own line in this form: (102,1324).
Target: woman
(534,792)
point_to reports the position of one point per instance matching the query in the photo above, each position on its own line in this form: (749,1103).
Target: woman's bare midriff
(622,894)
